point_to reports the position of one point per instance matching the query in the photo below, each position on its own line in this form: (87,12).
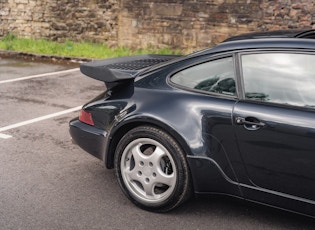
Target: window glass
(283,78)
(215,76)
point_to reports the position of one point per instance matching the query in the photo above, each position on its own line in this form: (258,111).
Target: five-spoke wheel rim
(148,170)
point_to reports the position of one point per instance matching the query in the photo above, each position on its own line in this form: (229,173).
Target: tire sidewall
(176,153)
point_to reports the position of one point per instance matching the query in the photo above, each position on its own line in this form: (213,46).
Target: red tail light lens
(86,117)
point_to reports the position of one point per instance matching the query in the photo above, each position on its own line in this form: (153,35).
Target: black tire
(151,169)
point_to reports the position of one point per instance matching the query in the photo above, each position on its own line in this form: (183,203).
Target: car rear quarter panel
(200,123)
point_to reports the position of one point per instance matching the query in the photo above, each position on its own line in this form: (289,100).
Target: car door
(275,122)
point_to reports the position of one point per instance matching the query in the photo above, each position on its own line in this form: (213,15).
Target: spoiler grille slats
(137,64)
(123,68)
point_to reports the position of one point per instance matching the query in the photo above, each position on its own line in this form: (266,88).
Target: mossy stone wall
(180,24)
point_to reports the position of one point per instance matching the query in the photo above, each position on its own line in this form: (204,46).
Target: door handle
(250,123)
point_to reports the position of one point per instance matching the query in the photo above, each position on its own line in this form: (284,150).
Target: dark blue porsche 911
(237,119)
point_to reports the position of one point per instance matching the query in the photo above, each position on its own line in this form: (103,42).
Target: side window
(215,76)
(283,78)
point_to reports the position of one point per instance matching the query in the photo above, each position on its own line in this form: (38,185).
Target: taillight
(86,117)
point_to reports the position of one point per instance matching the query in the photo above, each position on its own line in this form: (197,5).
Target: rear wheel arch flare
(122,130)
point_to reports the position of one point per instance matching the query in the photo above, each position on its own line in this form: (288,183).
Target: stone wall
(180,24)
(92,20)
(287,14)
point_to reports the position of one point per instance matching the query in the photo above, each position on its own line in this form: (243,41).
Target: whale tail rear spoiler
(117,70)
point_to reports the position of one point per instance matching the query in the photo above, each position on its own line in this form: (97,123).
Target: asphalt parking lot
(46,182)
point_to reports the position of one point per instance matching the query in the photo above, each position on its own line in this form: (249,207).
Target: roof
(248,44)
(272,43)
(275,34)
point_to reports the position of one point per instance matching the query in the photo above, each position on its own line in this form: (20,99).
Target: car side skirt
(208,177)
(279,200)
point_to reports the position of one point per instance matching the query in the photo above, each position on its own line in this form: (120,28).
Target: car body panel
(256,160)
(89,138)
(269,153)
(196,126)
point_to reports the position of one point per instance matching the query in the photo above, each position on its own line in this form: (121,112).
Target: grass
(72,49)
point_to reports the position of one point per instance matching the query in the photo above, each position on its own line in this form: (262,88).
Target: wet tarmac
(11,68)
(46,182)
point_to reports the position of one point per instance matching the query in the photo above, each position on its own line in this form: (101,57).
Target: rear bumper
(89,138)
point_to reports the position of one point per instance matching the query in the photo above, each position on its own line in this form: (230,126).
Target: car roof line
(258,44)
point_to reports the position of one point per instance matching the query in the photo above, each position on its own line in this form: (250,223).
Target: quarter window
(283,78)
(216,76)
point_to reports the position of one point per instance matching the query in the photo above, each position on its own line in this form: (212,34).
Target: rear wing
(114,70)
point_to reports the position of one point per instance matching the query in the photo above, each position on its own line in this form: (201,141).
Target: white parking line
(39,75)
(4,136)
(13,126)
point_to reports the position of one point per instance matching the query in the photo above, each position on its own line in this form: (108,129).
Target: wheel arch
(119,131)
